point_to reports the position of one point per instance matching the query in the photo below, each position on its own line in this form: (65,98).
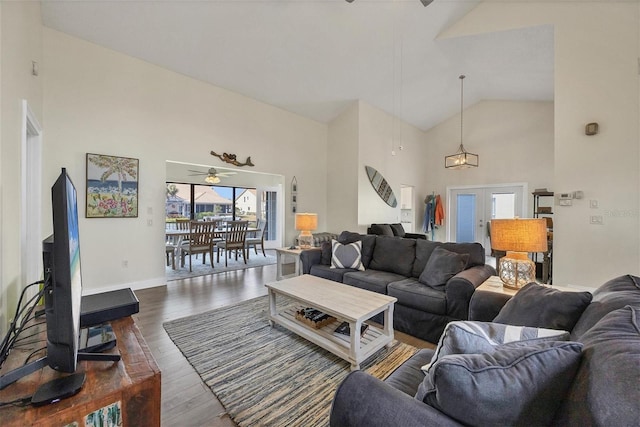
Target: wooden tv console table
(130,387)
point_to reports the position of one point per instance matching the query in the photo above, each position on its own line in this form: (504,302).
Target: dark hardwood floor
(186,400)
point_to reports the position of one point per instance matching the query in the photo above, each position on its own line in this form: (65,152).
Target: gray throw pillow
(381,229)
(346,256)
(519,384)
(544,307)
(442,266)
(398,230)
(605,391)
(469,337)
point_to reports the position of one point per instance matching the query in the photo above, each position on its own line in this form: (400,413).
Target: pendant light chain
(461,109)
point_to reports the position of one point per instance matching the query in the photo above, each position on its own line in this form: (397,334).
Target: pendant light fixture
(462,159)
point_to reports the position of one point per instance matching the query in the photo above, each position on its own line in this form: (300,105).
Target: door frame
(485,187)
(277,243)
(31,198)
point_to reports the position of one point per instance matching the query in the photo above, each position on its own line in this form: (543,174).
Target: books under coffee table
(345,303)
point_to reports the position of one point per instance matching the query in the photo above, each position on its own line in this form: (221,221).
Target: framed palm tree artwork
(112,186)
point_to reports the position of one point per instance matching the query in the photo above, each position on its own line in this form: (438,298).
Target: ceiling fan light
(212,179)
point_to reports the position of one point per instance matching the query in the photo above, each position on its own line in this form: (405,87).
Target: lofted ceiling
(315,57)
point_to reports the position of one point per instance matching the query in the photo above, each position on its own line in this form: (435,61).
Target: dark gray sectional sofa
(603,389)
(393,266)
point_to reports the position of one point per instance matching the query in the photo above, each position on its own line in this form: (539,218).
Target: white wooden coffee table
(345,303)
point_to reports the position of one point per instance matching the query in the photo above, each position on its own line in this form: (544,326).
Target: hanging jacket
(429,212)
(439,211)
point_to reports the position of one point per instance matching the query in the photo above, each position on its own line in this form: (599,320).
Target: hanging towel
(439,211)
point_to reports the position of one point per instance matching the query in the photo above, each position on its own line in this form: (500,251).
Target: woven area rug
(268,376)
(200,269)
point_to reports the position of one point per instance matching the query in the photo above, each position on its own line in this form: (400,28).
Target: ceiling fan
(212,175)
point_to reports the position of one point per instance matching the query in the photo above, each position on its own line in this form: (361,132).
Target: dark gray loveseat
(391,230)
(604,391)
(393,266)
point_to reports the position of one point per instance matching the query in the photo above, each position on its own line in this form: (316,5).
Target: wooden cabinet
(130,387)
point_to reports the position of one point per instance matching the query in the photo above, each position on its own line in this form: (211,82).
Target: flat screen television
(63,299)
(61,257)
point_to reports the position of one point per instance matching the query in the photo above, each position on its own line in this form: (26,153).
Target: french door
(270,207)
(471,208)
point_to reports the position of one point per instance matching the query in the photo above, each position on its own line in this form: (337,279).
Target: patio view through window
(221,203)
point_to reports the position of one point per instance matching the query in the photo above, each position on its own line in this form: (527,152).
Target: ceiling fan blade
(198,173)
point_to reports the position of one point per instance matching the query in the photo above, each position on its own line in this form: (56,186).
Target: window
(197,201)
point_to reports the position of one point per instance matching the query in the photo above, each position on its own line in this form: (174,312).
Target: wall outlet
(593,204)
(125,263)
(149,222)
(596,219)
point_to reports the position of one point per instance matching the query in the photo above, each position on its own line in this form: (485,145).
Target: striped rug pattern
(268,376)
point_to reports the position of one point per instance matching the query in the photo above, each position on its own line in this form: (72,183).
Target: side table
(494,284)
(281,255)
(130,387)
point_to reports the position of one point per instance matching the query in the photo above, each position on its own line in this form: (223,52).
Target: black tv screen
(61,256)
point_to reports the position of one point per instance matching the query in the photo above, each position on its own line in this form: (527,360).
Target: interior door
(467,215)
(270,207)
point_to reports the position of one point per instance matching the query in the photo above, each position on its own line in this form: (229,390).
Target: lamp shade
(306,221)
(519,235)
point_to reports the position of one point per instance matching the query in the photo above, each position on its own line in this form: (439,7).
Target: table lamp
(306,223)
(518,237)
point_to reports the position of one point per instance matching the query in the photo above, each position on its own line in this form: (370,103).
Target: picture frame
(112,186)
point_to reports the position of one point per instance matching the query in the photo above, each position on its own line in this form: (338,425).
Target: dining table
(177,237)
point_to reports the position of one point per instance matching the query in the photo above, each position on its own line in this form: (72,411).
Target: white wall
(513,139)
(100,101)
(362,136)
(376,141)
(596,79)
(20,43)
(342,171)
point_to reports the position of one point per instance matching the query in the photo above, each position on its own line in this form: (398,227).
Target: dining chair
(234,238)
(200,241)
(257,239)
(218,234)
(171,255)
(182,223)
